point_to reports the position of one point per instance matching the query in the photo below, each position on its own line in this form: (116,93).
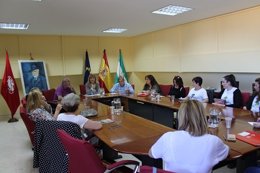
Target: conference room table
(134,134)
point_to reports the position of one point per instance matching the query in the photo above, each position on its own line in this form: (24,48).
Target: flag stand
(12,120)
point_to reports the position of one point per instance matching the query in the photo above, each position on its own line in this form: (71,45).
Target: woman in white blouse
(191,149)
(254,101)
(231,96)
(70,103)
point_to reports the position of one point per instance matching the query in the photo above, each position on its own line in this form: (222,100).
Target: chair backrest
(82,155)
(165,89)
(245,97)
(187,89)
(23,102)
(49,94)
(49,153)
(82,89)
(29,124)
(149,169)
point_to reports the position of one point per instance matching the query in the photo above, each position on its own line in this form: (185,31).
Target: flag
(120,68)
(104,76)
(9,88)
(87,68)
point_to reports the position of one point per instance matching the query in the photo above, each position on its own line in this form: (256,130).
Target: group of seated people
(192,135)
(39,109)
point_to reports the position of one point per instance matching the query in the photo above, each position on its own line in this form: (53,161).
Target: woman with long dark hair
(151,84)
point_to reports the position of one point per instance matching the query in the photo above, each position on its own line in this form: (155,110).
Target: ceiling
(90,17)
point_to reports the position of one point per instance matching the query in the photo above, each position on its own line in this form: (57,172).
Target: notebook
(250,137)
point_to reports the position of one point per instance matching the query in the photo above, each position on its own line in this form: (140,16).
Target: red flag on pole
(9,89)
(104,76)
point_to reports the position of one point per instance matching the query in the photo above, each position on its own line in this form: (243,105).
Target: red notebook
(142,94)
(252,137)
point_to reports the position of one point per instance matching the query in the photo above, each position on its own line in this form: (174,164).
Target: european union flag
(87,68)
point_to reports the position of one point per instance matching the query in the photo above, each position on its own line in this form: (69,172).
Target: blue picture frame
(33,74)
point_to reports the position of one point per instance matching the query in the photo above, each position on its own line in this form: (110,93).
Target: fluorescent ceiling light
(14,26)
(171,10)
(37,0)
(115,30)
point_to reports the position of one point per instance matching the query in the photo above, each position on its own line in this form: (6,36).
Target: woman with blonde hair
(92,86)
(190,149)
(38,108)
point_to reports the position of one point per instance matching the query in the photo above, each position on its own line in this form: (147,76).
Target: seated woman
(177,88)
(64,89)
(70,103)
(197,93)
(38,108)
(231,95)
(92,86)
(191,148)
(151,84)
(254,101)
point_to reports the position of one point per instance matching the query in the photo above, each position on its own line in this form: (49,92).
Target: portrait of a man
(33,74)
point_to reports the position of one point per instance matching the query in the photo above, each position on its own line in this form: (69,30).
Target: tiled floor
(16,155)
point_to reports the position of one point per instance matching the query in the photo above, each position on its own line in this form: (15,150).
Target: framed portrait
(33,74)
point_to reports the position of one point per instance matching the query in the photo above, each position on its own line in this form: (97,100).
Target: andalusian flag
(120,68)
(104,76)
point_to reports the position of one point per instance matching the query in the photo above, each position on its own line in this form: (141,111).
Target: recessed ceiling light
(115,30)
(171,10)
(14,26)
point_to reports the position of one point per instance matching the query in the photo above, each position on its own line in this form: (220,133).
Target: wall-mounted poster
(33,74)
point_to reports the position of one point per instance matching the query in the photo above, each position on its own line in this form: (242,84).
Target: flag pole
(12,120)
(9,89)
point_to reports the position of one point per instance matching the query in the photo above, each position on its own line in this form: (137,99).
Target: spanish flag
(104,76)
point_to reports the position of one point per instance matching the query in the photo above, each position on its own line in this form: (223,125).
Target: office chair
(83,157)
(245,97)
(49,94)
(82,89)
(149,169)
(165,89)
(49,153)
(187,89)
(29,124)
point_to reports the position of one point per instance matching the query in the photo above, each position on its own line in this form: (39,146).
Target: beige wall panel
(9,42)
(166,50)
(167,42)
(143,52)
(240,31)
(47,48)
(112,46)
(74,49)
(221,62)
(199,37)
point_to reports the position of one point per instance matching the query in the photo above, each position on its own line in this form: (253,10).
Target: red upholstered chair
(82,89)
(149,169)
(49,94)
(165,89)
(29,124)
(83,157)
(187,89)
(245,97)
(23,102)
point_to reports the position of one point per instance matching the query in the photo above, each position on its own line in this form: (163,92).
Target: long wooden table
(136,135)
